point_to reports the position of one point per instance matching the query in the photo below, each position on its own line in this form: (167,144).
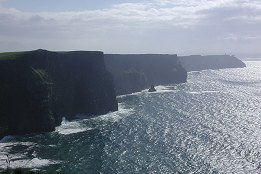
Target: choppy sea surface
(211,124)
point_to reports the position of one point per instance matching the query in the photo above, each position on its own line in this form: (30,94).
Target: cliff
(38,88)
(198,62)
(135,72)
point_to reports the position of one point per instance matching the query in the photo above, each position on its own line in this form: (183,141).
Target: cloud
(180,13)
(134,26)
(236,37)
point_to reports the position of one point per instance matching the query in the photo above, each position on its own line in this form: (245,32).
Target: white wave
(71,128)
(36,162)
(20,160)
(162,89)
(76,126)
(64,121)
(134,93)
(17,162)
(194,72)
(117,115)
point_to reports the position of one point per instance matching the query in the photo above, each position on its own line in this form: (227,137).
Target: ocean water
(211,124)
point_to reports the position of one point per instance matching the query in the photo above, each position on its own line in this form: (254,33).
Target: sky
(182,27)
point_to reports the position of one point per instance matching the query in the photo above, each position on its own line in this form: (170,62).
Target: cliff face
(38,88)
(197,62)
(132,73)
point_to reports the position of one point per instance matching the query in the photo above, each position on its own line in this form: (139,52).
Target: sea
(211,124)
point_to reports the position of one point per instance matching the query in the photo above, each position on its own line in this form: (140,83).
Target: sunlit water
(211,124)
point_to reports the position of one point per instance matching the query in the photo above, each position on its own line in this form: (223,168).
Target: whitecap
(76,126)
(29,163)
(117,115)
(64,121)
(71,128)
(134,93)
(16,160)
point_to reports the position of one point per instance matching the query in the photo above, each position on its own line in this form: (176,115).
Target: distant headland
(198,62)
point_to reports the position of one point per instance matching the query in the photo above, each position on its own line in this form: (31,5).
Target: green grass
(11,55)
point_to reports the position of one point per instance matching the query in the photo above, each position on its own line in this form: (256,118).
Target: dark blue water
(211,124)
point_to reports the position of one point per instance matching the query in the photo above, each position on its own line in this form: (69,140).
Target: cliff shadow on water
(39,87)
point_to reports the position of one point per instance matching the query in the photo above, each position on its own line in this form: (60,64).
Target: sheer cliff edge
(135,72)
(38,88)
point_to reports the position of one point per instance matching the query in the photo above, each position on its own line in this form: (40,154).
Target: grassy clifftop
(12,55)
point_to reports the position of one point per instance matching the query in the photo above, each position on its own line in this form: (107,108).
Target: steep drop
(39,87)
(135,72)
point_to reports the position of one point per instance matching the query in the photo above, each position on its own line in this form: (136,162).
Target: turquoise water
(211,124)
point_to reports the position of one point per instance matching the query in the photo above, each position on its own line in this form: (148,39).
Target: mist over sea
(211,124)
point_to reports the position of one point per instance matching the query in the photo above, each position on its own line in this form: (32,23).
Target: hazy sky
(130,26)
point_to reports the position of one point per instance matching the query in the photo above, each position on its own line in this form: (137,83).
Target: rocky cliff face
(38,88)
(132,73)
(198,62)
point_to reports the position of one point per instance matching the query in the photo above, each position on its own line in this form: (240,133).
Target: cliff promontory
(198,62)
(38,88)
(134,72)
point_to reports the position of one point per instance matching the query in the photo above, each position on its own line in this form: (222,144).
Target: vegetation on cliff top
(12,55)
